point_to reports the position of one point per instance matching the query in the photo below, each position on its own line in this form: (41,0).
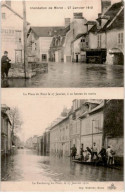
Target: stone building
(59,137)
(56,51)
(105,37)
(77,26)
(92,122)
(39,40)
(6,131)
(12,33)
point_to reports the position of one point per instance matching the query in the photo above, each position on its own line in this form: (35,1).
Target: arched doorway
(117,56)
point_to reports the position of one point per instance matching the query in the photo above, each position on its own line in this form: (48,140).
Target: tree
(16,120)
(113,118)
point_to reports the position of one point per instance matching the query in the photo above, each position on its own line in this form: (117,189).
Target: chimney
(78,15)
(8,3)
(67,22)
(104,5)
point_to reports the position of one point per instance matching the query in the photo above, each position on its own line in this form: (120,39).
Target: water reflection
(73,75)
(26,165)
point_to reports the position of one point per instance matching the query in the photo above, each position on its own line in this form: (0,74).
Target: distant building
(60,135)
(29,143)
(40,144)
(39,40)
(34,142)
(77,26)
(12,33)
(6,131)
(56,51)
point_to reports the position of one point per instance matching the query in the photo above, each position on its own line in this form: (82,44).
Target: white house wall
(45,46)
(112,42)
(8,39)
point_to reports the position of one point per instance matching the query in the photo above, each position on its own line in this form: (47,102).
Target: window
(99,40)
(18,36)
(82,40)
(3,16)
(120,38)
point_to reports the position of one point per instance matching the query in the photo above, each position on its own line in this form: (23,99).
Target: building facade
(39,40)
(59,138)
(77,26)
(92,122)
(6,131)
(12,34)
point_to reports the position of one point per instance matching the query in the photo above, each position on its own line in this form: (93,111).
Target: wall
(44,46)
(112,42)
(59,139)
(88,125)
(76,27)
(8,39)
(92,41)
(117,144)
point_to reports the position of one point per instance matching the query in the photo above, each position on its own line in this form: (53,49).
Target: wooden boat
(96,164)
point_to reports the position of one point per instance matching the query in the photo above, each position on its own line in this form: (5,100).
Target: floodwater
(73,75)
(27,165)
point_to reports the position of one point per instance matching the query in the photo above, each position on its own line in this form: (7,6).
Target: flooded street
(26,165)
(75,75)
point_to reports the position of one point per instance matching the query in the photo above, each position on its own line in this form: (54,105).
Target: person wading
(74,151)
(5,64)
(94,151)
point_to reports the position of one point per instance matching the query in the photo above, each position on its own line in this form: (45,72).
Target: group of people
(5,65)
(105,156)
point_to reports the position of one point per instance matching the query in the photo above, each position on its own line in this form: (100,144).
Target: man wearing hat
(5,64)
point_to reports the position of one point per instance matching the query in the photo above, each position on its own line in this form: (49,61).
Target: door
(18,56)
(44,57)
(77,58)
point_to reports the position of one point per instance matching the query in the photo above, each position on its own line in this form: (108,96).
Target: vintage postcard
(62,96)
(61,141)
(62,44)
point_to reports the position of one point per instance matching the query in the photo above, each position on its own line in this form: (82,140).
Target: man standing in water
(5,64)
(74,151)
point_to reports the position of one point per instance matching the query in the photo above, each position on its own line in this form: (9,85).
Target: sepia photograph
(80,140)
(62,44)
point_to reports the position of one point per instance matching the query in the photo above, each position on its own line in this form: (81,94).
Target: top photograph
(62,44)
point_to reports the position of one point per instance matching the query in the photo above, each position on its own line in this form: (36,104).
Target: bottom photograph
(61,139)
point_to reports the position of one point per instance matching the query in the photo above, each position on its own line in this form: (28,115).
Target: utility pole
(25,39)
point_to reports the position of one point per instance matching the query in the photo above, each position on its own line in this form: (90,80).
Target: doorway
(18,56)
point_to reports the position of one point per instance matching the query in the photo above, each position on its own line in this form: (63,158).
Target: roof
(111,14)
(79,36)
(90,22)
(59,120)
(45,31)
(5,5)
(97,108)
(62,33)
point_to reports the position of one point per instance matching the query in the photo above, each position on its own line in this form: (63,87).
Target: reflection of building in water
(12,33)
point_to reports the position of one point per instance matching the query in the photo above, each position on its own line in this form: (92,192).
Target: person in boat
(74,151)
(102,153)
(89,157)
(110,156)
(94,152)
(85,155)
(81,154)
